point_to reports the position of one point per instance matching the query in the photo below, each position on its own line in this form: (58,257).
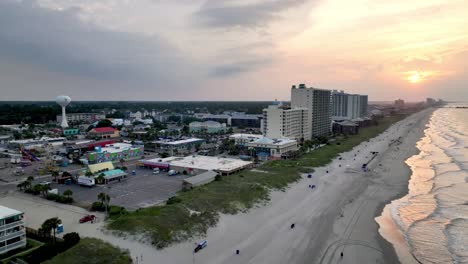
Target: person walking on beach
(341,254)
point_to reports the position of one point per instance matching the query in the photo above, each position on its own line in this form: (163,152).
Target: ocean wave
(434,215)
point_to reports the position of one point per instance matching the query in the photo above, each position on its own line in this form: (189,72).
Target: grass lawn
(92,251)
(199,208)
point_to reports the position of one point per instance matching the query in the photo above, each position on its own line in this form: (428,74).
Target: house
(104,132)
(13,232)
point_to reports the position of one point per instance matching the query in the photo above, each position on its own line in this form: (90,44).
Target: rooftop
(103,129)
(179,142)
(7,212)
(205,163)
(247,136)
(274,142)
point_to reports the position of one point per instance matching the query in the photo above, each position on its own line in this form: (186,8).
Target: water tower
(63,101)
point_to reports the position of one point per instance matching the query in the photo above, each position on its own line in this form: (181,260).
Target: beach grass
(92,251)
(198,209)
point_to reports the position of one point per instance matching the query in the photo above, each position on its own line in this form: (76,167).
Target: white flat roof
(6,212)
(205,163)
(246,136)
(178,142)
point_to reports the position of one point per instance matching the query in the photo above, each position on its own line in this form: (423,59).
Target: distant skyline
(215,50)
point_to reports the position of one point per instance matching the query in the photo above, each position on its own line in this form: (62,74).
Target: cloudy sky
(232,49)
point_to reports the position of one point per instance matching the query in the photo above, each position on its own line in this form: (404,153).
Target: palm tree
(68,193)
(29,181)
(54,174)
(44,188)
(51,224)
(105,199)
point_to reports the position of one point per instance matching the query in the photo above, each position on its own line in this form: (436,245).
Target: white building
(317,101)
(207,126)
(285,122)
(136,115)
(12,232)
(82,117)
(198,164)
(267,148)
(242,139)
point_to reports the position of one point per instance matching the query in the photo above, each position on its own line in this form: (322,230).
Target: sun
(415,77)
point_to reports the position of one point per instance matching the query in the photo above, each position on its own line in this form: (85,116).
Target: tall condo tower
(63,101)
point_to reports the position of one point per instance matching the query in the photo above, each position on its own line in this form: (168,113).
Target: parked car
(45,183)
(201,245)
(87,218)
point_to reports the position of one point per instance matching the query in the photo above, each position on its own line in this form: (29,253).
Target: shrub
(173,200)
(71,239)
(51,196)
(33,191)
(98,206)
(116,210)
(218,178)
(63,199)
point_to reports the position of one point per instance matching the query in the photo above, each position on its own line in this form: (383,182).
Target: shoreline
(390,253)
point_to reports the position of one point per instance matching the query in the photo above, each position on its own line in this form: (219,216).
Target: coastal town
(163,178)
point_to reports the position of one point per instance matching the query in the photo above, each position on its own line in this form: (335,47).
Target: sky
(232,49)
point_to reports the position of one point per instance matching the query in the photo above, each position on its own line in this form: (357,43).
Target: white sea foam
(434,215)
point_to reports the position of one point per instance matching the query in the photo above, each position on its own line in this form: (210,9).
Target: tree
(68,193)
(51,224)
(105,199)
(44,189)
(29,181)
(104,123)
(54,174)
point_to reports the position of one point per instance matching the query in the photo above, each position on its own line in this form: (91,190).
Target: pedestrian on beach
(237,252)
(341,254)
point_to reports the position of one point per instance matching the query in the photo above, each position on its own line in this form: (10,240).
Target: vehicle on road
(45,183)
(87,218)
(201,245)
(86,181)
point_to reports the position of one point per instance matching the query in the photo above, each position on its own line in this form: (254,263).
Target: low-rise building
(242,139)
(210,127)
(193,165)
(115,152)
(178,146)
(200,179)
(71,131)
(12,232)
(345,127)
(267,148)
(104,132)
(82,117)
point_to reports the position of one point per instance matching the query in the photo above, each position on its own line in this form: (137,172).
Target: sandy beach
(338,216)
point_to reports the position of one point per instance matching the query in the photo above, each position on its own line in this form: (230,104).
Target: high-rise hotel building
(318,103)
(348,106)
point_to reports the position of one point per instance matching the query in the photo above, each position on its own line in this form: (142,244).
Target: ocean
(433,216)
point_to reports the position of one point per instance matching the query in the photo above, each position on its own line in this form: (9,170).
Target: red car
(87,218)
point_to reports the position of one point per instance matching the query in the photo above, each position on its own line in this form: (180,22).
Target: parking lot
(140,190)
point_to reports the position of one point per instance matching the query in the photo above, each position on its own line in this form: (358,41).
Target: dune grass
(199,208)
(92,251)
